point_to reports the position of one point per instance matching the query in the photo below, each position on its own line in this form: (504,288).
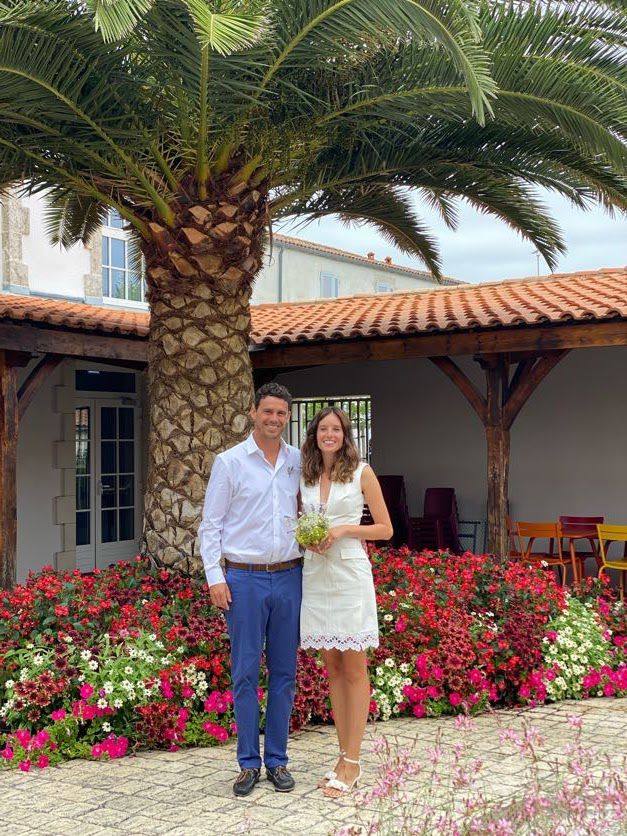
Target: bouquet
(312,526)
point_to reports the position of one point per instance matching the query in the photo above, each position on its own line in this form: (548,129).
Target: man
(251,493)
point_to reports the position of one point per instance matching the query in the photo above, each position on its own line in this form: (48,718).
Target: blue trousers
(265,611)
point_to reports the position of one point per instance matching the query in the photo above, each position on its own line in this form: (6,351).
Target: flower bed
(97,665)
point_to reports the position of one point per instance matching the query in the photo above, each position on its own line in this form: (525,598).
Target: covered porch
(511,393)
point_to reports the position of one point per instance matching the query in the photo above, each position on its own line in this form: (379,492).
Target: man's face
(270,417)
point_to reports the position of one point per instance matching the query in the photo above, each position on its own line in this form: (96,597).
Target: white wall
(52,269)
(38,481)
(301,276)
(568,444)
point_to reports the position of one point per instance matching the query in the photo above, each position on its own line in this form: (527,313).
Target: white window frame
(326,276)
(110,232)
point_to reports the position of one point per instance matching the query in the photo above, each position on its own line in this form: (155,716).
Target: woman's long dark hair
(346,460)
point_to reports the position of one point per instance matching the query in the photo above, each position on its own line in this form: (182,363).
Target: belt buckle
(268,569)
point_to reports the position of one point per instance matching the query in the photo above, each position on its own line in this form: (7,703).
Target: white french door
(107,481)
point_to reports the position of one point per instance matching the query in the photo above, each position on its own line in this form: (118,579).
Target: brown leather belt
(264,567)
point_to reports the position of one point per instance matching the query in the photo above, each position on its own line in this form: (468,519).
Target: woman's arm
(382,527)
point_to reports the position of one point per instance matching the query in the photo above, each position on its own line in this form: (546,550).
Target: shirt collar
(253,447)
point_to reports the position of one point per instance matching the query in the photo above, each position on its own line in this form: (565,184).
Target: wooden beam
(521,369)
(38,340)
(464,384)
(38,375)
(493,341)
(527,383)
(498,443)
(8,463)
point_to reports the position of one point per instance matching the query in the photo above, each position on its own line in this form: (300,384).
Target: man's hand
(220,595)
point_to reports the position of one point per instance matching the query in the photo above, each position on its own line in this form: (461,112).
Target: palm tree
(202,123)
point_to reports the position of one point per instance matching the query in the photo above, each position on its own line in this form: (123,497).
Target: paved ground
(188,793)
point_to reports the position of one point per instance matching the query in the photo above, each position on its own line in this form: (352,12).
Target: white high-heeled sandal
(343,788)
(331,775)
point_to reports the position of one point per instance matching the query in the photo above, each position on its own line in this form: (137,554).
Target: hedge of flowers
(98,665)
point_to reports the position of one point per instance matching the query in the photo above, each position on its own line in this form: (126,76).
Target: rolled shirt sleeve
(215,508)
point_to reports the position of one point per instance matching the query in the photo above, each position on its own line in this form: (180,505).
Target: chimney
(388,259)
(370,255)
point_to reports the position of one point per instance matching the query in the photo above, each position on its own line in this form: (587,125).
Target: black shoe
(281,778)
(245,781)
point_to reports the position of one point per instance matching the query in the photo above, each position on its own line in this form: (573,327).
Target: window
(92,380)
(119,279)
(383,287)
(358,408)
(329,285)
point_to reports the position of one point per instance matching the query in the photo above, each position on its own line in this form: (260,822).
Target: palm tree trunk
(200,396)
(199,274)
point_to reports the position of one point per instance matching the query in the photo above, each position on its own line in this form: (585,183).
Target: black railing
(358,409)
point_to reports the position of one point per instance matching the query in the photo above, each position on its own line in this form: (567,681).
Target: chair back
(610,534)
(439,502)
(532,531)
(395,496)
(577,523)
(440,505)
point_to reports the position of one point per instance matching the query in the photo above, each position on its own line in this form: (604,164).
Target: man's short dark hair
(273,390)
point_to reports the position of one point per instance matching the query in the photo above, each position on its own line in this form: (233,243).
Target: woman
(339,612)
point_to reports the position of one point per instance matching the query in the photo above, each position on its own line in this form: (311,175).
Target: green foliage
(348,107)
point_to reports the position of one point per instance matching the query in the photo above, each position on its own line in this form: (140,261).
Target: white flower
(153,637)
(106,727)
(38,660)
(128,670)
(102,703)
(9,683)
(81,677)
(379,671)
(389,663)
(404,667)
(388,617)
(85,654)
(125,684)
(108,688)
(68,639)
(93,665)
(392,594)
(118,703)
(30,646)
(132,652)
(148,658)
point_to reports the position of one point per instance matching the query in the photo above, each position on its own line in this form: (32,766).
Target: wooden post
(498,441)
(8,461)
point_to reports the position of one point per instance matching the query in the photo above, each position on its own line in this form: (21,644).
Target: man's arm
(216,505)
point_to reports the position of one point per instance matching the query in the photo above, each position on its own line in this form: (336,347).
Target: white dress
(339,608)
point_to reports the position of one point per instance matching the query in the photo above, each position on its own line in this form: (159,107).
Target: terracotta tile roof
(312,246)
(567,297)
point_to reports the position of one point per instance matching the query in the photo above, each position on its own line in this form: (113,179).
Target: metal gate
(358,409)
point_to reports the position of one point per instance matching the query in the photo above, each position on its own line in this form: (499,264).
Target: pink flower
(59,714)
(454,698)
(23,737)
(43,761)
(433,692)
(86,690)
(401,624)
(260,693)
(551,635)
(187,691)
(24,766)
(97,750)
(7,753)
(437,673)
(166,689)
(419,710)
(608,689)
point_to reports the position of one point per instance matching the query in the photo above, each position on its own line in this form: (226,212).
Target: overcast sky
(484,249)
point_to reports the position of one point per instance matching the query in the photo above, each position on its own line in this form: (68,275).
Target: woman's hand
(333,535)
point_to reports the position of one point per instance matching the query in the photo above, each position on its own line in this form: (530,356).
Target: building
(107,273)
(73,374)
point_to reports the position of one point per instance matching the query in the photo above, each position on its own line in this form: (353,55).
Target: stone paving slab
(188,793)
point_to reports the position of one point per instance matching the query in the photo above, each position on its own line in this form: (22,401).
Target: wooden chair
(609,534)
(532,531)
(583,525)
(395,496)
(438,526)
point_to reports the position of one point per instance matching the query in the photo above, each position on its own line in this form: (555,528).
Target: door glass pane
(107,455)
(126,493)
(108,428)
(109,489)
(127,524)
(83,519)
(117,284)
(127,428)
(126,457)
(82,493)
(109,526)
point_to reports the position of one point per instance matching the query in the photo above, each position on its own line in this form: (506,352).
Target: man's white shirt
(248,508)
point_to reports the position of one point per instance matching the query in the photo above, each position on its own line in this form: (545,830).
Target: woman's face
(330,435)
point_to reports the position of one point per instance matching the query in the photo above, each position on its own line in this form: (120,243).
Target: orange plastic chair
(532,531)
(609,534)
(515,549)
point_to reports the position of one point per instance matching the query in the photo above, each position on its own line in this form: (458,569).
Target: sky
(482,248)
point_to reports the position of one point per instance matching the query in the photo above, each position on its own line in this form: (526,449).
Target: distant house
(105,272)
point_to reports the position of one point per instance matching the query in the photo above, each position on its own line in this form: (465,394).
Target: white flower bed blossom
(388,682)
(580,645)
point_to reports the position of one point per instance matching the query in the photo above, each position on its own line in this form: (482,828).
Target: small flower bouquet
(312,526)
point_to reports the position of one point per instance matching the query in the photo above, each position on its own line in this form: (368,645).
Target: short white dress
(339,607)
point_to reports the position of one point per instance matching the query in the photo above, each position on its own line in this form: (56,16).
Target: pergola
(516,331)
